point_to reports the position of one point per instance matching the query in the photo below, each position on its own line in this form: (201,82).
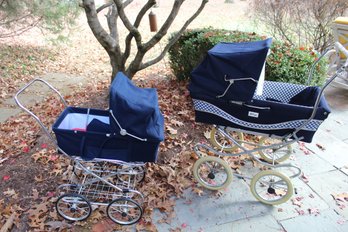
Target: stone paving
(312,207)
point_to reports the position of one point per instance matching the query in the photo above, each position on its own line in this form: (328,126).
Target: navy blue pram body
(223,91)
(93,133)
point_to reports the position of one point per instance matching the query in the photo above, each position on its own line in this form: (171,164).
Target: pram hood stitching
(206,107)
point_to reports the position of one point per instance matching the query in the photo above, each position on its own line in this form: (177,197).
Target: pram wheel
(73,207)
(212,172)
(271,187)
(278,155)
(128,174)
(124,211)
(219,141)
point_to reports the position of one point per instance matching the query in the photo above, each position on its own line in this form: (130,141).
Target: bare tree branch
(136,63)
(92,18)
(15,19)
(111,18)
(21,30)
(110,41)
(163,30)
(132,29)
(130,36)
(175,37)
(106,5)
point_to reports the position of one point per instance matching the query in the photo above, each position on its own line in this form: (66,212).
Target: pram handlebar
(342,49)
(327,53)
(31,113)
(328,82)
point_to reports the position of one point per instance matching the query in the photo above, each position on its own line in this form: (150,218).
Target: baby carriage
(225,89)
(108,149)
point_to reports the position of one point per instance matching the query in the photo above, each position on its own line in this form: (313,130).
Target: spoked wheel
(219,141)
(280,154)
(130,174)
(212,172)
(73,207)
(124,211)
(271,187)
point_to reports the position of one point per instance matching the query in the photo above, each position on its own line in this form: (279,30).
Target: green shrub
(285,63)
(193,45)
(291,64)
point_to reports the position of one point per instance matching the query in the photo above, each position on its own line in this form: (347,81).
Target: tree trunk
(109,39)
(115,66)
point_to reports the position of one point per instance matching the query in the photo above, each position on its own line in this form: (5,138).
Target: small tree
(300,22)
(111,42)
(18,16)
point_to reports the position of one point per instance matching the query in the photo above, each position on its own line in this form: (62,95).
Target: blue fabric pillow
(98,126)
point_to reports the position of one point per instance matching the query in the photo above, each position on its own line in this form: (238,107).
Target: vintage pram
(225,89)
(108,149)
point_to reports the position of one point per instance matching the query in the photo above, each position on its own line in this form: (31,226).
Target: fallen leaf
(300,211)
(171,130)
(51,194)
(341,197)
(103,226)
(198,191)
(304,178)
(44,145)
(194,156)
(53,157)
(297,202)
(10,192)
(207,134)
(35,194)
(5,178)
(3,160)
(176,123)
(321,147)
(60,225)
(303,148)
(341,221)
(314,211)
(38,178)
(26,149)
(146,226)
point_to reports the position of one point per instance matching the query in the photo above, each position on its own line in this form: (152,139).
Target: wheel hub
(271,190)
(211,176)
(124,214)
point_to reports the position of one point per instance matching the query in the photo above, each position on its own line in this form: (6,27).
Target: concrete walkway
(312,207)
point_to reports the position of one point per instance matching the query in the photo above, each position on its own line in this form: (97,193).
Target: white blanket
(80,121)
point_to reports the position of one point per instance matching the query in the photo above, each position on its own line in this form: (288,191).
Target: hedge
(285,63)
